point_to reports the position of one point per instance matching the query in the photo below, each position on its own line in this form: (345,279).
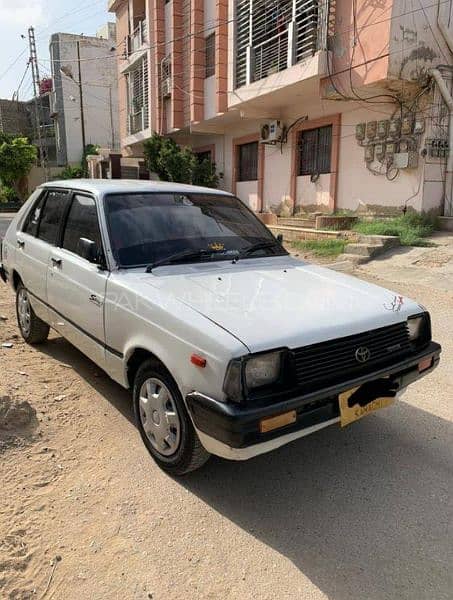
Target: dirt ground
(363,513)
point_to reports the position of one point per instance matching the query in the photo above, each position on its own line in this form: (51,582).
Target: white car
(231,346)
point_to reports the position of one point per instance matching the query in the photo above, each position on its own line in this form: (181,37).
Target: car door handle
(20,243)
(95,300)
(56,262)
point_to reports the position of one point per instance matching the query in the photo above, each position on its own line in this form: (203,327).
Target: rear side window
(32,221)
(52,215)
(82,222)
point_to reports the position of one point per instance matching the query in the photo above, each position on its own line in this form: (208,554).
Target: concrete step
(387,241)
(352,259)
(446,223)
(367,250)
(293,234)
(297,222)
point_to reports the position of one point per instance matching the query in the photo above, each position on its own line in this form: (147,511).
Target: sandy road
(363,513)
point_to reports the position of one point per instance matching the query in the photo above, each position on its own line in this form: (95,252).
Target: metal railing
(271,56)
(138,38)
(300,28)
(138,121)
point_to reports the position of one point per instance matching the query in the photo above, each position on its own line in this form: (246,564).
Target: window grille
(248,162)
(274,34)
(315,150)
(210,55)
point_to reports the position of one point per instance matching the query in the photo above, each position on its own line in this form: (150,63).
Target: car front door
(76,287)
(34,242)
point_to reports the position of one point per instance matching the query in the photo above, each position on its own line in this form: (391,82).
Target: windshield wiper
(255,247)
(185,255)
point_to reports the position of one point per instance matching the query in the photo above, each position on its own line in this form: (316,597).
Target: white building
(89,61)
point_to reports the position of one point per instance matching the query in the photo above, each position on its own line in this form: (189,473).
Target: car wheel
(164,423)
(32,328)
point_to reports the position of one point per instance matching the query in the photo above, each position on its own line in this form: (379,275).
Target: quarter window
(32,221)
(82,222)
(52,215)
(248,162)
(315,149)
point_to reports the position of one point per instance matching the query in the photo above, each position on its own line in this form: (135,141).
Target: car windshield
(146,228)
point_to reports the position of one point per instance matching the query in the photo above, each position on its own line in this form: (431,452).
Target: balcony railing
(270,56)
(138,38)
(138,121)
(270,39)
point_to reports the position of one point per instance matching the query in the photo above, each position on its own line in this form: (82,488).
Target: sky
(47,17)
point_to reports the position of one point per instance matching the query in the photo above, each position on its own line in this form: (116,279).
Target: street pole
(36,82)
(82,116)
(112,126)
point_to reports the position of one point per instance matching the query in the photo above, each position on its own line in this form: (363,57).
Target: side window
(32,220)
(82,222)
(52,215)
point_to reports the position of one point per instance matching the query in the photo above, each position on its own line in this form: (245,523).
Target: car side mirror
(280,238)
(88,250)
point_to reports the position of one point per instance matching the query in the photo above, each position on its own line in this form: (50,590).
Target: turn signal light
(425,364)
(198,361)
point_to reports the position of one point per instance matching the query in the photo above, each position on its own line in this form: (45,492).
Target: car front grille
(328,363)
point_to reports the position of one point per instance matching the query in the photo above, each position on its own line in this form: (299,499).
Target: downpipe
(444,92)
(441,24)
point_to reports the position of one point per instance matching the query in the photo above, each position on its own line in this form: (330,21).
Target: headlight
(415,326)
(262,370)
(419,328)
(251,372)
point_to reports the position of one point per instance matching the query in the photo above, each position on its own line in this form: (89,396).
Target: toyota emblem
(362,354)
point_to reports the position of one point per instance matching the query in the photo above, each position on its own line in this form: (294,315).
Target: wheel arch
(15,279)
(135,358)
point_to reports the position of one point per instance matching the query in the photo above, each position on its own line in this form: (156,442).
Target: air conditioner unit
(166,87)
(272,132)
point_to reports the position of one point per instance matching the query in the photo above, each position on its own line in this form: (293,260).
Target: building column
(221,56)
(197,61)
(177,103)
(157,55)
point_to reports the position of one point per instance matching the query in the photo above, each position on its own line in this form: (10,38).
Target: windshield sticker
(216,247)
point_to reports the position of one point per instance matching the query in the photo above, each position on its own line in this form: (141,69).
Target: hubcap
(159,417)
(24,312)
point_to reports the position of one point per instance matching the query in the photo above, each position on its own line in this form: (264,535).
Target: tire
(32,328)
(163,421)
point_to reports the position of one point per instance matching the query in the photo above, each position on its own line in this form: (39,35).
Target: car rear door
(76,287)
(39,234)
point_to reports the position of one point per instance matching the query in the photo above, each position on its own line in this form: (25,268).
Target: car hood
(280,302)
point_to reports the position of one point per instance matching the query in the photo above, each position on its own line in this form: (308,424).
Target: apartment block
(304,105)
(89,60)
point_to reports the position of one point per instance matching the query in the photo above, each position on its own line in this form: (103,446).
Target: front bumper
(237,427)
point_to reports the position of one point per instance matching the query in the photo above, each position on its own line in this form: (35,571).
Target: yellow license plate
(349,414)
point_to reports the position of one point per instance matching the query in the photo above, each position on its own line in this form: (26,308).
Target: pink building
(304,105)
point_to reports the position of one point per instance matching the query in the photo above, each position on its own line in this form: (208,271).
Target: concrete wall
(416,42)
(247,191)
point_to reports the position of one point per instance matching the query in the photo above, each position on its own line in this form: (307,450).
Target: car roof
(101,187)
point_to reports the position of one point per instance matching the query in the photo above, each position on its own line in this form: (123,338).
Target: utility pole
(36,83)
(82,115)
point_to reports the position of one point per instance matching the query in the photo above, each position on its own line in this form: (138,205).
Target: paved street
(353,514)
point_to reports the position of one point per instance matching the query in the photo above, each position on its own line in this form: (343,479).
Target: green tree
(17,156)
(172,162)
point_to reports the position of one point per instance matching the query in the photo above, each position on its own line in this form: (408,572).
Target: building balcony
(138,38)
(278,48)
